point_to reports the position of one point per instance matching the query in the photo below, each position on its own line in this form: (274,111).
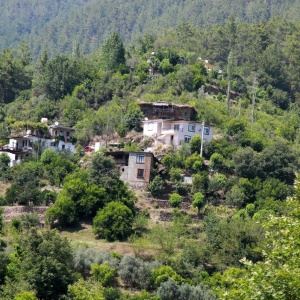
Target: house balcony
(171,130)
(14,149)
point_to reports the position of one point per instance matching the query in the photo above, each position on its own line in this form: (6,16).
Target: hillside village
(169,125)
(159,170)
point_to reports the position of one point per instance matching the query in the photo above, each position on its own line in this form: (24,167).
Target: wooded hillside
(55,25)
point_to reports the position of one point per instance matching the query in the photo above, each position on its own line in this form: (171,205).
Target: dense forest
(55,25)
(238,238)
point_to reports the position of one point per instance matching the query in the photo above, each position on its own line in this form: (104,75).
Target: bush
(199,182)
(84,258)
(182,188)
(113,222)
(175,174)
(195,143)
(156,186)
(218,182)
(217,161)
(163,273)
(198,201)
(136,272)
(236,196)
(175,200)
(103,274)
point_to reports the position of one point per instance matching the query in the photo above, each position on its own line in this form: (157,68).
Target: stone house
(135,167)
(164,110)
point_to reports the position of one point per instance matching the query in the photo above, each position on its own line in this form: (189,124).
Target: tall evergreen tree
(113,53)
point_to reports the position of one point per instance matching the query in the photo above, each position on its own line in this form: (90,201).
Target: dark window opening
(187,139)
(140,173)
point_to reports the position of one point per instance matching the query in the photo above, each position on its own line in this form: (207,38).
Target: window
(187,138)
(206,130)
(68,133)
(63,147)
(140,158)
(192,127)
(176,127)
(140,173)
(150,126)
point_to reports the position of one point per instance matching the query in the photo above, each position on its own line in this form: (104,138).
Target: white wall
(178,135)
(151,128)
(12,157)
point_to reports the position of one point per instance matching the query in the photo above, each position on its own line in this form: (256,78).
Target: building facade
(21,145)
(176,132)
(164,110)
(135,167)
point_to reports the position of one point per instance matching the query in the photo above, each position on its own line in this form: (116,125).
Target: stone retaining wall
(11,212)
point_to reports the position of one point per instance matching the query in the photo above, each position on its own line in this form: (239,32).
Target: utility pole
(229,77)
(202,137)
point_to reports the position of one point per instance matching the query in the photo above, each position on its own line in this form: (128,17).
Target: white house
(176,132)
(19,146)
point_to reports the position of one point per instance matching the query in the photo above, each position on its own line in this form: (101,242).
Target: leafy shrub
(104,274)
(175,200)
(175,174)
(136,272)
(156,186)
(218,182)
(182,188)
(217,161)
(113,222)
(163,273)
(84,257)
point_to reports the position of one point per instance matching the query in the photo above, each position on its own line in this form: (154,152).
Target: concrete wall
(169,133)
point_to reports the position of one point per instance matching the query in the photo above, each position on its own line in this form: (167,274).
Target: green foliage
(156,186)
(136,272)
(173,160)
(26,296)
(195,143)
(217,161)
(170,290)
(232,239)
(194,163)
(235,196)
(113,222)
(217,182)
(43,260)
(85,290)
(133,118)
(175,174)
(165,66)
(163,273)
(280,263)
(200,182)
(113,53)
(103,171)
(236,126)
(198,201)
(63,212)
(59,76)
(175,200)
(103,274)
